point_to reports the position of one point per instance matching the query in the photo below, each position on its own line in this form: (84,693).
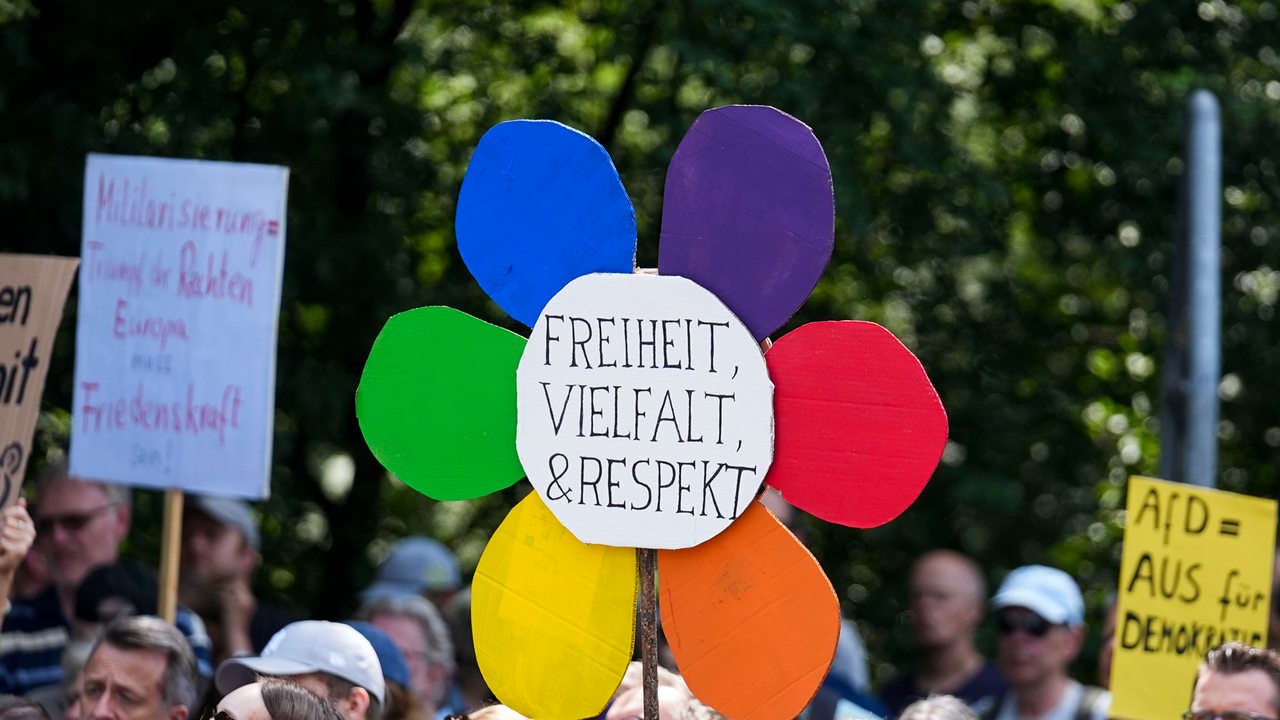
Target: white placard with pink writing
(180,275)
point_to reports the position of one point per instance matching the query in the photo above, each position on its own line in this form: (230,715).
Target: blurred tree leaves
(1006,182)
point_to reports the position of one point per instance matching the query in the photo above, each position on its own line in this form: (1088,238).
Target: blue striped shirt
(35,634)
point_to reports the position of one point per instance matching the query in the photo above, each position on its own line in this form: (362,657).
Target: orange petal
(751,618)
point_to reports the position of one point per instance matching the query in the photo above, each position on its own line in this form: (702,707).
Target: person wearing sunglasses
(79,526)
(273,698)
(1039,616)
(1236,682)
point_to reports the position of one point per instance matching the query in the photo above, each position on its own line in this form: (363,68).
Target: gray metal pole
(1204,223)
(1189,420)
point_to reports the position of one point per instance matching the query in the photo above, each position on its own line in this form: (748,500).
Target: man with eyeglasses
(1039,614)
(414,624)
(1236,682)
(79,525)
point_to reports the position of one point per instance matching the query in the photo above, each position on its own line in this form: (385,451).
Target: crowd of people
(81,638)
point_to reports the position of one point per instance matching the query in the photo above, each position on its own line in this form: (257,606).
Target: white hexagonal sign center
(645,411)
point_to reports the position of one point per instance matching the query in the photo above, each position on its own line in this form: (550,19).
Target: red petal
(859,428)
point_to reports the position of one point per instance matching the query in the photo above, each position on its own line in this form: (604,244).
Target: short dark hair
(1234,657)
(147,632)
(342,687)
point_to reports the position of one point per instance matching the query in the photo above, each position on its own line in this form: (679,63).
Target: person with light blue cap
(417,565)
(1039,615)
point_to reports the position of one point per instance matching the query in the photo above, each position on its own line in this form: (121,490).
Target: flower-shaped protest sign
(645,415)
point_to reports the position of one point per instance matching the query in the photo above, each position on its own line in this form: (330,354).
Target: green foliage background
(1007,191)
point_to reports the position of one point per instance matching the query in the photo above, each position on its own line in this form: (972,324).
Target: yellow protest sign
(1195,572)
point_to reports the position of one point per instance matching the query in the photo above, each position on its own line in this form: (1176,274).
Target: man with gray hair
(415,626)
(141,668)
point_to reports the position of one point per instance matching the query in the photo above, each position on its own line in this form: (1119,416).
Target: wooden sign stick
(649,630)
(170,550)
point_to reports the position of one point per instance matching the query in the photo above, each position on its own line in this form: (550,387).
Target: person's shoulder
(268,614)
(988,681)
(847,709)
(983,688)
(899,692)
(193,629)
(192,626)
(989,670)
(994,705)
(903,681)
(1095,703)
(31,644)
(37,613)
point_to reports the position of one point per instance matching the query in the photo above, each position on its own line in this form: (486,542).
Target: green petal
(437,403)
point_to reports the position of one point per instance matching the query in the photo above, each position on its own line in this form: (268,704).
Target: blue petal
(541,204)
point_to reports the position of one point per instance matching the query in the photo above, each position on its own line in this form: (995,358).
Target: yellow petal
(554,618)
(751,618)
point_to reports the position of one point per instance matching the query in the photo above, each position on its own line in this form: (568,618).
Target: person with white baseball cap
(1039,615)
(331,659)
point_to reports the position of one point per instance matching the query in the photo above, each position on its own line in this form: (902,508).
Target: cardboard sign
(1196,572)
(751,618)
(540,593)
(882,428)
(644,411)
(176,337)
(33,290)
(748,212)
(424,415)
(541,204)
